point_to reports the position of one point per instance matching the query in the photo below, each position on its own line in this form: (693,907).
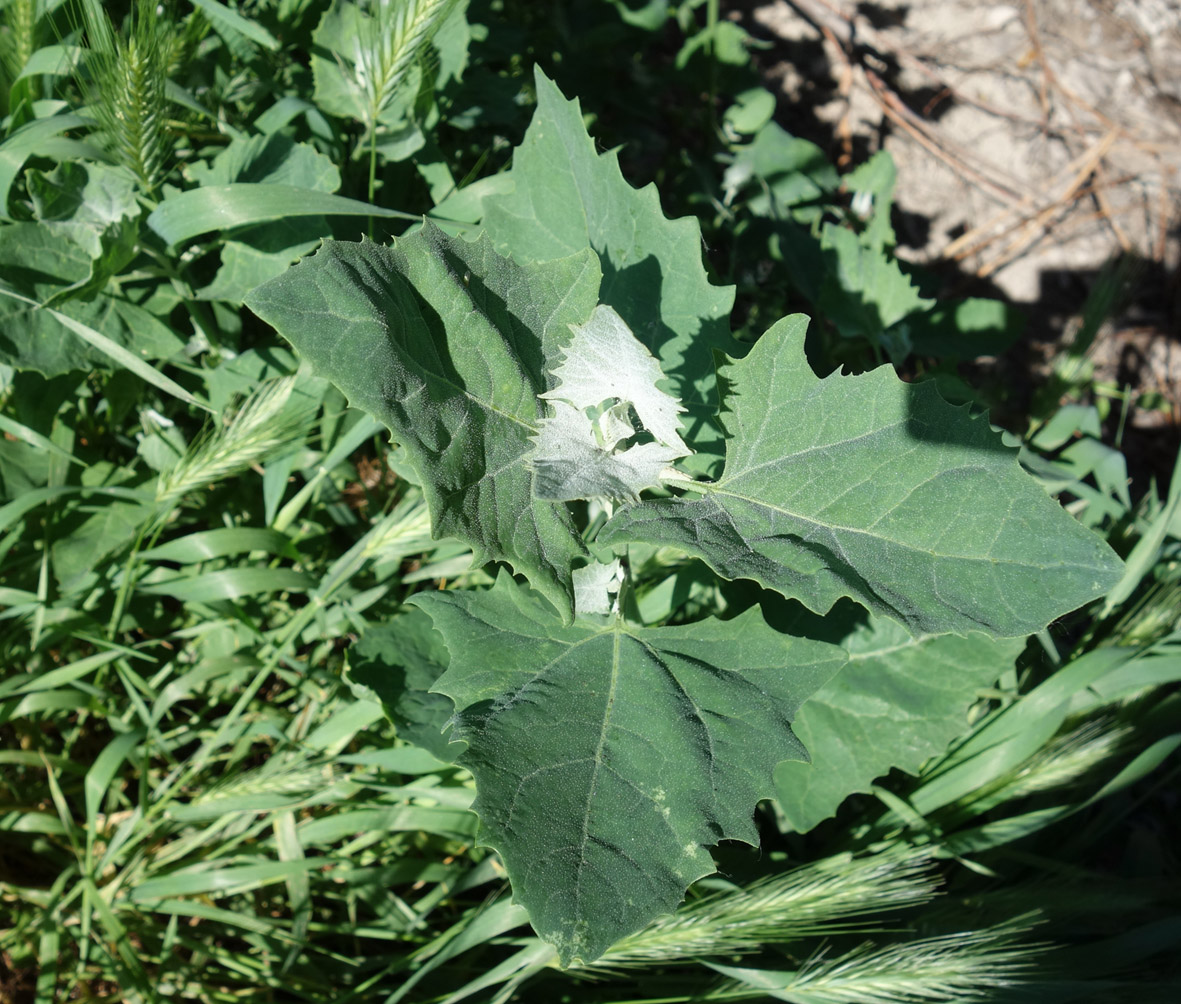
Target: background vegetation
(199,803)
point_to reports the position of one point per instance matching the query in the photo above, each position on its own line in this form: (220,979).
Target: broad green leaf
(447,343)
(868,487)
(110,528)
(29,141)
(263,253)
(337,42)
(114,352)
(398,663)
(782,175)
(898,701)
(37,263)
(273,159)
(226,19)
(872,188)
(965,329)
(369,61)
(567,197)
(607,757)
(95,207)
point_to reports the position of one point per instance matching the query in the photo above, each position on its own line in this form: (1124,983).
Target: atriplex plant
(543,377)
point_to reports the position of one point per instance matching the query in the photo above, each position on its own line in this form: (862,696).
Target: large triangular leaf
(868,487)
(567,197)
(448,344)
(898,701)
(608,756)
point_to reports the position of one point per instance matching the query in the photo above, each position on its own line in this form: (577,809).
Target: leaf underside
(868,487)
(608,756)
(449,344)
(586,446)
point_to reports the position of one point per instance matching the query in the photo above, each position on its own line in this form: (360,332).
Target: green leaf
(864,291)
(782,171)
(965,329)
(29,141)
(608,756)
(95,207)
(38,263)
(868,487)
(221,207)
(226,19)
(566,198)
(898,701)
(246,266)
(447,343)
(109,529)
(229,584)
(398,664)
(872,188)
(274,159)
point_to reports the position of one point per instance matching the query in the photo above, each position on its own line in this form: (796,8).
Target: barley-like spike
(815,899)
(128,83)
(18,35)
(259,428)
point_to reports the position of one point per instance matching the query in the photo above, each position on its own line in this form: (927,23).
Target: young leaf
(868,487)
(898,701)
(448,344)
(864,291)
(567,197)
(605,360)
(578,453)
(595,587)
(607,757)
(569,462)
(95,207)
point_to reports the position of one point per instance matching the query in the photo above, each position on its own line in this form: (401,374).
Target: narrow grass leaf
(225,881)
(221,207)
(456,824)
(473,931)
(18,430)
(1014,734)
(129,360)
(99,777)
(229,584)
(1144,555)
(205,545)
(28,683)
(226,19)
